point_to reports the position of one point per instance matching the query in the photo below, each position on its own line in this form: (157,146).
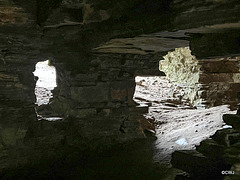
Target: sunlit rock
(181,67)
(205,82)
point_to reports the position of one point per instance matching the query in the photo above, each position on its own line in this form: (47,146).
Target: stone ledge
(141,45)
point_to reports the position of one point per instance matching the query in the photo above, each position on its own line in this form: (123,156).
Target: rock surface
(198,165)
(223,148)
(232,120)
(96,76)
(203,81)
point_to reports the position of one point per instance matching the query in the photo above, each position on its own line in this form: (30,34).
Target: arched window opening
(46,82)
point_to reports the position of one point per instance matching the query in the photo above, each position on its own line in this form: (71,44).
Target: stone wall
(102,99)
(95,86)
(206,82)
(196,13)
(18,54)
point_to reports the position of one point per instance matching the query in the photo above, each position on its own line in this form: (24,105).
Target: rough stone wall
(103,97)
(96,87)
(221,85)
(206,82)
(18,49)
(196,13)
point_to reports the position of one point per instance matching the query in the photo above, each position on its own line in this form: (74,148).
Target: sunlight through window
(46,82)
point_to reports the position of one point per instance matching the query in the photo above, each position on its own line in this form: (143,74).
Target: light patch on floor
(178,126)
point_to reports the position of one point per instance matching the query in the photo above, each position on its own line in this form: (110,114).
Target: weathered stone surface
(203,85)
(211,149)
(226,137)
(141,45)
(220,77)
(232,154)
(94,96)
(215,44)
(233,120)
(222,149)
(84,79)
(18,48)
(83,113)
(11,14)
(198,165)
(196,14)
(225,65)
(72,3)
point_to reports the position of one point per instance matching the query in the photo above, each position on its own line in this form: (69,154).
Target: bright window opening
(46,82)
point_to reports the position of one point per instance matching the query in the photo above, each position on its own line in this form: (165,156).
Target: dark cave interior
(104,89)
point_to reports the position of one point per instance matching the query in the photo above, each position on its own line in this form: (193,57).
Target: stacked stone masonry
(95,86)
(206,82)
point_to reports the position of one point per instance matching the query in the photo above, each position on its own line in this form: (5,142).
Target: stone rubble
(220,153)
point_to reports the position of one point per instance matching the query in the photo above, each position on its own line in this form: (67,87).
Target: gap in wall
(178,125)
(45,84)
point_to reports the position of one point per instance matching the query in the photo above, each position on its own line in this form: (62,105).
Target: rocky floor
(178,126)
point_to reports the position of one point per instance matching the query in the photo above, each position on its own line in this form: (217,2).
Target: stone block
(104,76)
(138,110)
(119,94)
(73,4)
(235,86)
(148,72)
(130,95)
(130,83)
(80,83)
(107,63)
(197,165)
(85,77)
(120,90)
(232,154)
(58,107)
(129,62)
(215,77)
(10,136)
(8,77)
(226,137)
(233,120)
(106,112)
(91,94)
(113,74)
(83,113)
(211,149)
(220,65)
(236,77)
